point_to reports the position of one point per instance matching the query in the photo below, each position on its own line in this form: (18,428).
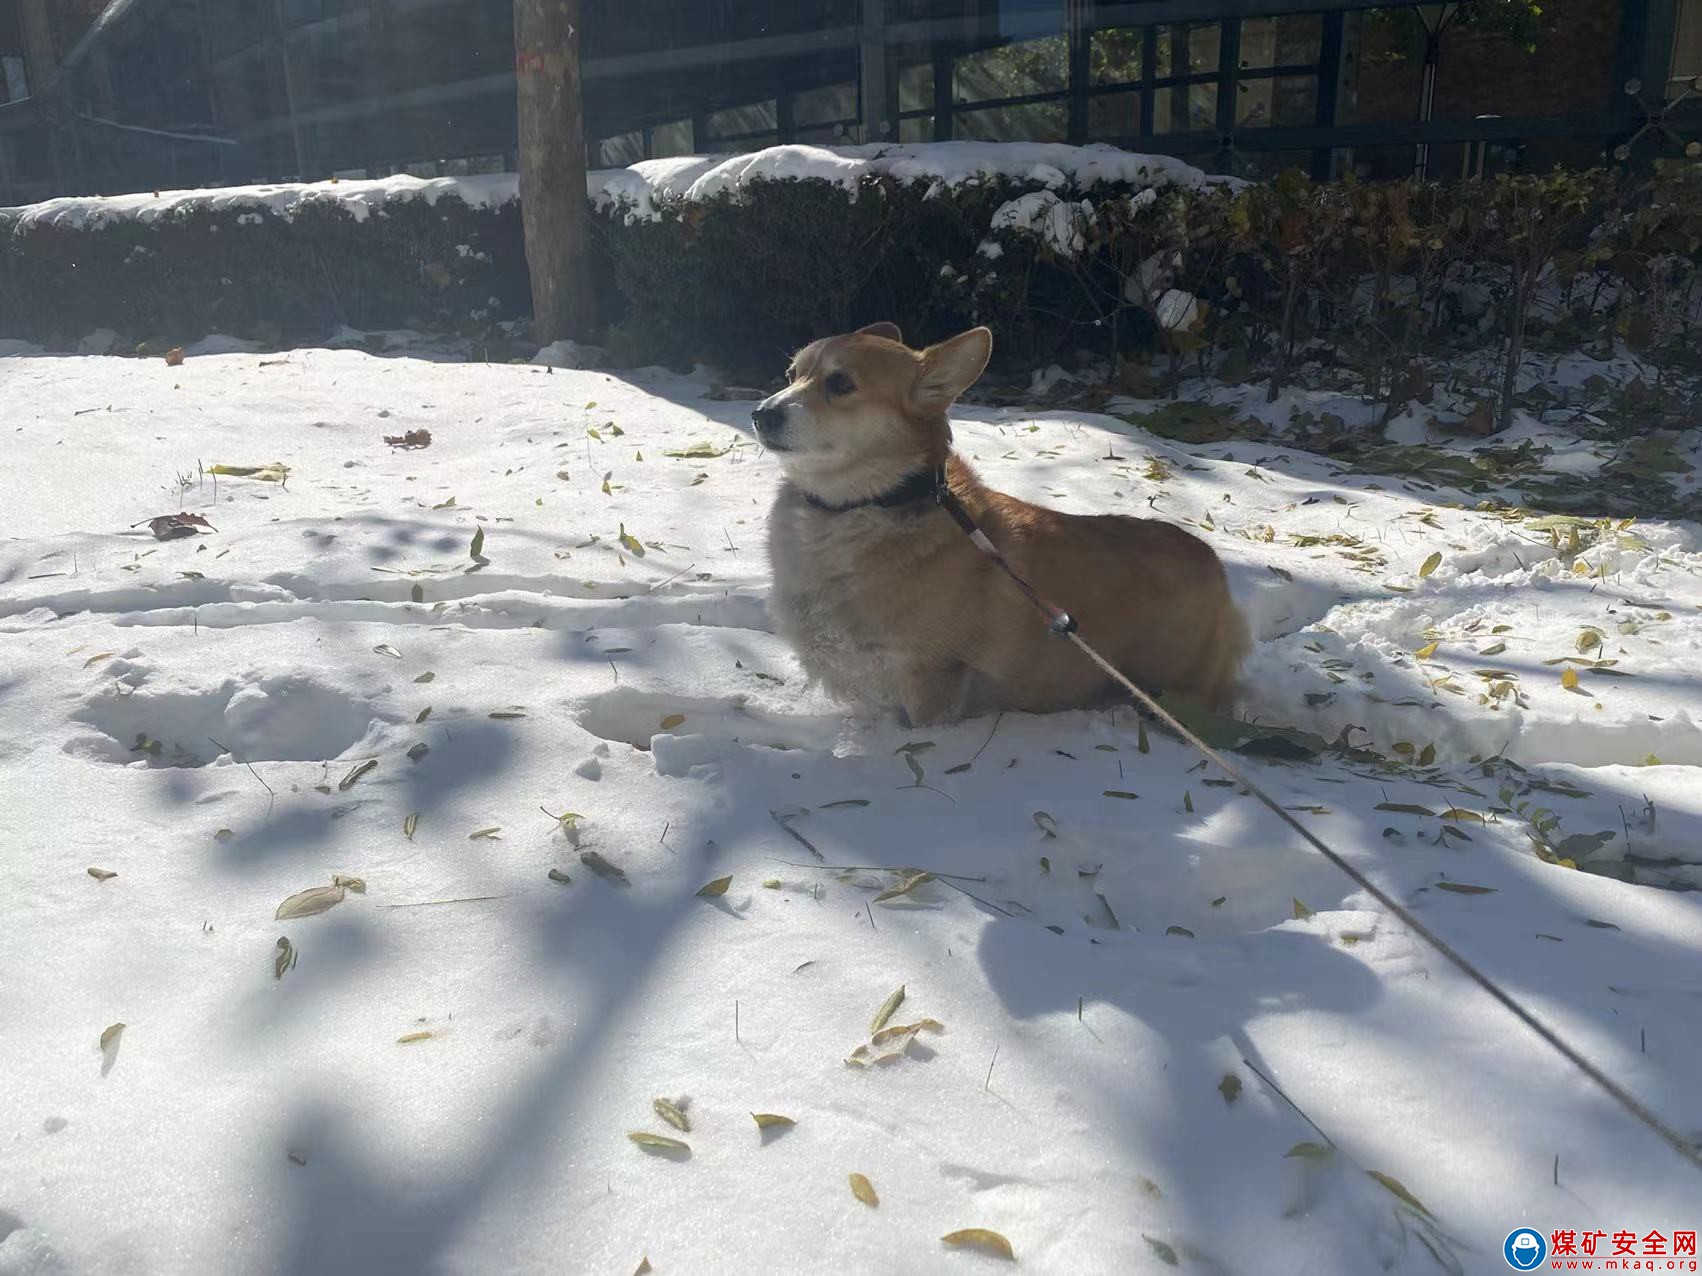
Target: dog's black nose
(768,419)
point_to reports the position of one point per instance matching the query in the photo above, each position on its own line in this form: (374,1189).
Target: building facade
(158,93)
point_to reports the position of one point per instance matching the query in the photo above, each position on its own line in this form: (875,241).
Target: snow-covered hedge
(715,256)
(270,262)
(736,259)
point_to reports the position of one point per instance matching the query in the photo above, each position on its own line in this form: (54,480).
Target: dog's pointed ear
(883,329)
(951,367)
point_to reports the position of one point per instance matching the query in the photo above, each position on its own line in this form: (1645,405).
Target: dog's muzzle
(770,425)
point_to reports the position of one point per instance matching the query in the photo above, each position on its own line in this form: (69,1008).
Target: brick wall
(1569,74)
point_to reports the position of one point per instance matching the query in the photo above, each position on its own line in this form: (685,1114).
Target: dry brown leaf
(891,1004)
(355,773)
(983,1239)
(894,1031)
(602,868)
(907,883)
(672,1113)
(770,1120)
(658,1142)
(717,888)
(409,1038)
(315,899)
(285,957)
(1395,1186)
(864,1190)
(102,874)
(1166,1253)
(170,527)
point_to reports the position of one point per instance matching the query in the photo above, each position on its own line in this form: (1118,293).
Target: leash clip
(1062,624)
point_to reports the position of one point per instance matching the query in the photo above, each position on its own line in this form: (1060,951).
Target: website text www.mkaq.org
(1596,1250)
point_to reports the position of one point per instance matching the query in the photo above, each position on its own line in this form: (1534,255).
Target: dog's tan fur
(896,608)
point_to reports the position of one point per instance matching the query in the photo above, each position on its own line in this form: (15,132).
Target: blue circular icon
(1525,1250)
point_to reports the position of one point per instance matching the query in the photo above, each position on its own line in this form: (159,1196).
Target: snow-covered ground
(520,683)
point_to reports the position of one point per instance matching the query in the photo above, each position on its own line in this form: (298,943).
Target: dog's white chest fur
(815,602)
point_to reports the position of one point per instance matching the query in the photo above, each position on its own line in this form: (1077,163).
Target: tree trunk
(1517,307)
(553,203)
(1285,338)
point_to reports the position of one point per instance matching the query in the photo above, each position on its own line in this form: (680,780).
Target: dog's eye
(839,383)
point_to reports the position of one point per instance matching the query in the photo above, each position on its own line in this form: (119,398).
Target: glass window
(618,152)
(824,135)
(13,86)
(825,106)
(470,165)
(1291,40)
(737,120)
(916,129)
(250,89)
(1029,122)
(1686,45)
(1113,116)
(1185,108)
(1279,100)
(1188,48)
(1114,57)
(667,140)
(760,141)
(1012,70)
(916,86)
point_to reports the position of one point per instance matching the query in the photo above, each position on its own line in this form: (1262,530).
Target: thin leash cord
(1062,624)
(1625,1098)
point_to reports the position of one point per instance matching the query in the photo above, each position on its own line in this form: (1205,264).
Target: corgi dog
(888,601)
